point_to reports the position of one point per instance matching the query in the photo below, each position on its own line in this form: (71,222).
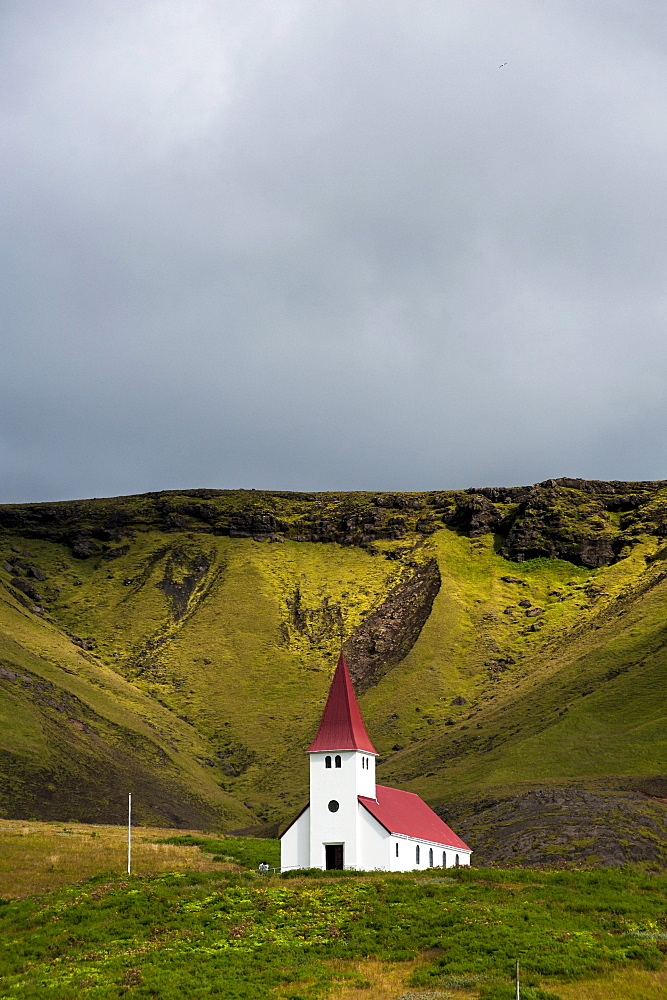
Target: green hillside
(180,645)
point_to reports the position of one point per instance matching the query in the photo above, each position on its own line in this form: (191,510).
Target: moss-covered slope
(180,645)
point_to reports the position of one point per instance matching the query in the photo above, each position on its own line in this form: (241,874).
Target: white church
(350,822)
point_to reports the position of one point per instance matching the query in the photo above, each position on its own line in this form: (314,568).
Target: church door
(334,856)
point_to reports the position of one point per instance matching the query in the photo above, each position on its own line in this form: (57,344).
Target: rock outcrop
(388,634)
(558,518)
(553,826)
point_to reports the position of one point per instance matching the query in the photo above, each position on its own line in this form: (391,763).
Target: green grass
(246,851)
(239,936)
(586,701)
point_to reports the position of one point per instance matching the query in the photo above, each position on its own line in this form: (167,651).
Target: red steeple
(342,727)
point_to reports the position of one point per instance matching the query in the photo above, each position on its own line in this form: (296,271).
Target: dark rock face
(598,487)
(83,548)
(561,518)
(475,516)
(556,826)
(560,526)
(356,529)
(398,502)
(26,587)
(180,586)
(116,553)
(389,633)
(257,526)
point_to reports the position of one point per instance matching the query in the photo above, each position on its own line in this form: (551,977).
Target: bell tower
(342,767)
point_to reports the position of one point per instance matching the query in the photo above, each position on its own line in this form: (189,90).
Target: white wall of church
(452,856)
(433,855)
(366,777)
(333,802)
(401,858)
(404,856)
(374,843)
(295,843)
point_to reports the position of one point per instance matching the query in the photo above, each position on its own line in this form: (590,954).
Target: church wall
(335,785)
(295,843)
(365,765)
(406,858)
(374,842)
(425,847)
(463,856)
(401,860)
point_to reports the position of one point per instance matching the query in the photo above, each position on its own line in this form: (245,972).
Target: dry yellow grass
(37,856)
(625,984)
(388,981)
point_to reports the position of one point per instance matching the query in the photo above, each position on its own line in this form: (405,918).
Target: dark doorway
(334,855)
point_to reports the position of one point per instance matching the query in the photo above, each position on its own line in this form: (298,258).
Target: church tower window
(338,760)
(327,761)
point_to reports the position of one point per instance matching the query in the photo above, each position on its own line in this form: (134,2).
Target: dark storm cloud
(331,245)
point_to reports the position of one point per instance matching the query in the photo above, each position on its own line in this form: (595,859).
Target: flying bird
(502,64)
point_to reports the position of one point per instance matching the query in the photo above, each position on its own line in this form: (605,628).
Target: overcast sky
(331,244)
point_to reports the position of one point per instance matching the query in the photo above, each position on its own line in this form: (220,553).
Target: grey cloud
(331,245)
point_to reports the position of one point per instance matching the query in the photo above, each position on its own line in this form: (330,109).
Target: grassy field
(37,857)
(217,928)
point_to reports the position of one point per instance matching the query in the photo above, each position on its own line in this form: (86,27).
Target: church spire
(342,727)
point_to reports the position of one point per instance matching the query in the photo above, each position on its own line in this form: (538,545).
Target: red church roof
(406,813)
(342,727)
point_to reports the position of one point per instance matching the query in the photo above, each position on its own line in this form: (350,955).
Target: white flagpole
(518,994)
(129,833)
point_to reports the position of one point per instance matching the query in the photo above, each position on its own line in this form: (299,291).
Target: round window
(333,806)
